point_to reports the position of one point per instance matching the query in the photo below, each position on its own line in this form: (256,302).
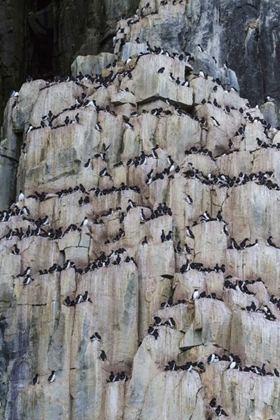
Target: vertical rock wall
(150,225)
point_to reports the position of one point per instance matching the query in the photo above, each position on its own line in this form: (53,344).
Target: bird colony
(139,261)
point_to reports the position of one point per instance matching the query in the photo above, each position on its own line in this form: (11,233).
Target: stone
(91,64)
(132,184)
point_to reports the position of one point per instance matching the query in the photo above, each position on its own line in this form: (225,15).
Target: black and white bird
(16,250)
(170,322)
(220,412)
(84,222)
(27,280)
(98,126)
(52,377)
(21,196)
(213,358)
(189,232)
(95,337)
(103,356)
(87,164)
(105,173)
(36,379)
(189,199)
(195,294)
(216,123)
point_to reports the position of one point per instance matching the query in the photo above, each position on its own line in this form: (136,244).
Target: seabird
(270,242)
(145,241)
(157,320)
(161,70)
(213,358)
(232,365)
(27,280)
(36,379)
(189,232)
(195,294)
(84,222)
(105,173)
(170,322)
(220,412)
(16,250)
(95,337)
(51,378)
(25,273)
(169,236)
(79,299)
(103,356)
(98,127)
(87,164)
(21,196)
(129,125)
(154,153)
(216,123)
(86,297)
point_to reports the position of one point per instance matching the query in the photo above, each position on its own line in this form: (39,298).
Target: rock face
(44,36)
(150,227)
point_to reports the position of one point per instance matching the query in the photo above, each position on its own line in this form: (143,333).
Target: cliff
(43,37)
(140,265)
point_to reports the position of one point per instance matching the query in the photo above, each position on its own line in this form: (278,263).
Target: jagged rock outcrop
(150,229)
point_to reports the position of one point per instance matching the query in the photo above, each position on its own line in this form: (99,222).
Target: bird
(21,196)
(95,337)
(189,232)
(16,250)
(220,412)
(98,126)
(129,125)
(225,230)
(195,294)
(103,356)
(170,322)
(87,164)
(145,241)
(52,377)
(36,379)
(269,99)
(169,236)
(213,358)
(201,74)
(84,222)
(270,242)
(216,123)
(25,273)
(79,299)
(27,280)
(157,320)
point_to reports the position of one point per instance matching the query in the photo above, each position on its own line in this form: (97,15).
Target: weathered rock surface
(242,33)
(179,186)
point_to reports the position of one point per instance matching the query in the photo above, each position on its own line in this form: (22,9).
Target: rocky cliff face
(141,265)
(43,37)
